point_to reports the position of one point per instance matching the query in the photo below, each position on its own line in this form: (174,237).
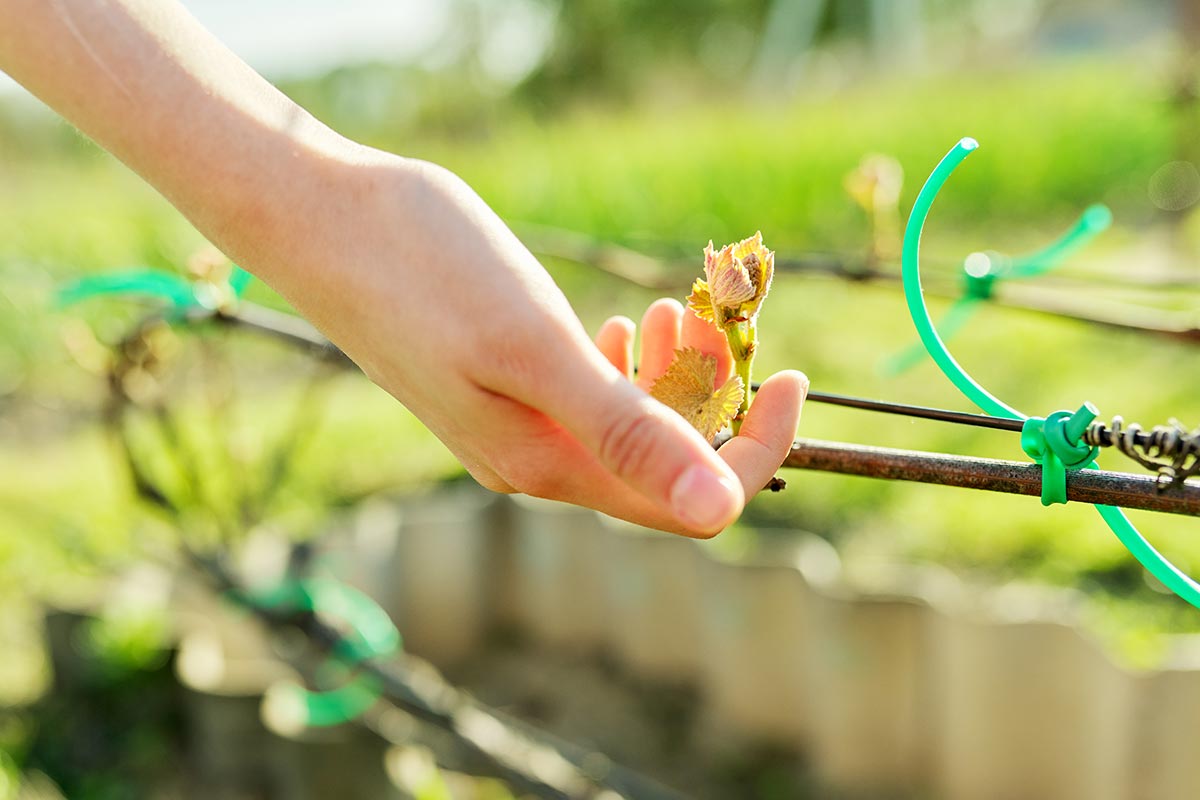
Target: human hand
(431,294)
(667,327)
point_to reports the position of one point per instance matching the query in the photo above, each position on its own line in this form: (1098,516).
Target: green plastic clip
(1055,442)
(144,282)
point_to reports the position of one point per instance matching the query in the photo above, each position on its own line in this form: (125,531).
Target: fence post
(557,587)
(1026,706)
(655,592)
(438,595)
(754,635)
(1162,741)
(865,663)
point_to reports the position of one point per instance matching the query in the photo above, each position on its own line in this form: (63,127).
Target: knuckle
(627,444)
(512,360)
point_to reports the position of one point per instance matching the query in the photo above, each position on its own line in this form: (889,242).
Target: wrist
(277,202)
(321,213)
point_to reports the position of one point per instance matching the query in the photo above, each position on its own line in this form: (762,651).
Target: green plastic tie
(976,287)
(336,706)
(1094,220)
(372,635)
(1158,566)
(147,282)
(1056,443)
(239,279)
(181,294)
(954,320)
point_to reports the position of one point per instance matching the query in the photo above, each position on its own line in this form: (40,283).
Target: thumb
(641,441)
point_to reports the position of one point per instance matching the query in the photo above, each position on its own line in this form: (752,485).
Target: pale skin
(405,268)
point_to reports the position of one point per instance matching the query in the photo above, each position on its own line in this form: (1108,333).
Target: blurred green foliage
(1054,138)
(110,730)
(594,56)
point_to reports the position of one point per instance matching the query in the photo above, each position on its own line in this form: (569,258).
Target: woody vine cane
(1057,441)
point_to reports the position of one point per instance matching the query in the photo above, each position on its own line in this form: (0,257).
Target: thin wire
(1170,450)
(921,412)
(664,265)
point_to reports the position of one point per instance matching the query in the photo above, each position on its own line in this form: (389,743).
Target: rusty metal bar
(1013,477)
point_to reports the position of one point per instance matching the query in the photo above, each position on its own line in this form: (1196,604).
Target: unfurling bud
(736,279)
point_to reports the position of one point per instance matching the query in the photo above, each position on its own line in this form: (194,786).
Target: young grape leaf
(687,388)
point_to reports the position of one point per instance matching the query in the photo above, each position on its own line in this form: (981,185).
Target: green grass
(1053,141)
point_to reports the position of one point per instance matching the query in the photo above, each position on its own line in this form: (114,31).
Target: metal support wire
(921,412)
(276,324)
(1170,450)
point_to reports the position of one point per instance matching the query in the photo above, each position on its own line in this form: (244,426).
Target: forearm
(152,86)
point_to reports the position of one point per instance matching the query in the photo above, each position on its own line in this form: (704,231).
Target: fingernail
(703,500)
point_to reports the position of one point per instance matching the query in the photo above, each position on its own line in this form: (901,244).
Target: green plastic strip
(914,293)
(239,279)
(1092,222)
(372,635)
(334,707)
(1095,220)
(153,283)
(1162,569)
(149,282)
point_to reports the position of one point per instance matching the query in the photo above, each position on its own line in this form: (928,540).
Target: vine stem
(742,340)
